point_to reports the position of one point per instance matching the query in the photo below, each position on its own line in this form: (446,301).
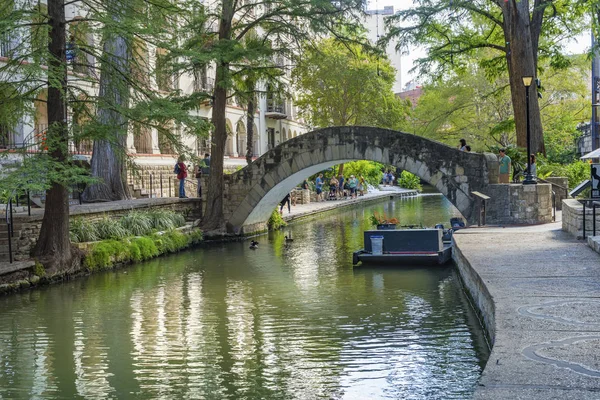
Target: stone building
(276,119)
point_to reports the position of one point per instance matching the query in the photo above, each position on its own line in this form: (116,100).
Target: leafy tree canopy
(344,84)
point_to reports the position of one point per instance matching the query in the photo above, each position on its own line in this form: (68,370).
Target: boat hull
(405,258)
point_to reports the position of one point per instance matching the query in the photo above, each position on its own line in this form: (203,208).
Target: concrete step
(6,267)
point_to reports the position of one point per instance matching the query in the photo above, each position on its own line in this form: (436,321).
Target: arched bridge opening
(253,192)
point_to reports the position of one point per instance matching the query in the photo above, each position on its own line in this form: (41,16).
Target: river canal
(286,321)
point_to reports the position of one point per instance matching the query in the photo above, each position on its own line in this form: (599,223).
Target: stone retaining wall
(572,218)
(517,204)
(27,229)
(478,292)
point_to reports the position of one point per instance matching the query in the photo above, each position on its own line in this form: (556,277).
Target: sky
(579,46)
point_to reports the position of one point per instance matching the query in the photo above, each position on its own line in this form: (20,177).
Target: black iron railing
(587,203)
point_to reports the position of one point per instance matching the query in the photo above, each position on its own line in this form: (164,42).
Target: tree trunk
(214,217)
(521,59)
(250,127)
(53,247)
(108,157)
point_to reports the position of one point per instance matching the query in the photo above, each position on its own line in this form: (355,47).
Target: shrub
(146,246)
(370,170)
(81,230)
(196,236)
(135,252)
(137,223)
(276,221)
(108,228)
(164,220)
(39,270)
(171,241)
(409,181)
(576,172)
(103,254)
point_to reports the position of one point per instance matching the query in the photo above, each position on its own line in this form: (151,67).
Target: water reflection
(290,320)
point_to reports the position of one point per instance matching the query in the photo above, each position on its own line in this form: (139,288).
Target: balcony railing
(275,109)
(204,85)
(8,45)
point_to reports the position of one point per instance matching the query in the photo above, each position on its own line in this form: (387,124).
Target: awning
(592,154)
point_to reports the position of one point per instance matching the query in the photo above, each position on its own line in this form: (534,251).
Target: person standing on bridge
(463,145)
(504,167)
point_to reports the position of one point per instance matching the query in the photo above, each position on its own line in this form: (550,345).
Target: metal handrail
(594,203)
(9,226)
(482,206)
(553,206)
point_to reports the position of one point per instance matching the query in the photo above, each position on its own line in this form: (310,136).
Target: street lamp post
(529,179)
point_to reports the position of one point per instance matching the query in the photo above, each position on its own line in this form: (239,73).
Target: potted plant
(381,221)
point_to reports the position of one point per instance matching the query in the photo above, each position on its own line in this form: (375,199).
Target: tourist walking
(319,187)
(362,186)
(340,190)
(181,171)
(352,184)
(333,188)
(286,200)
(504,167)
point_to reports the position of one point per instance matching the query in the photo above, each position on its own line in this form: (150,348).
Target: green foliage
(409,181)
(82,230)
(370,170)
(135,253)
(146,246)
(276,221)
(342,84)
(134,223)
(576,172)
(39,270)
(104,254)
(163,220)
(172,241)
(137,223)
(196,236)
(109,228)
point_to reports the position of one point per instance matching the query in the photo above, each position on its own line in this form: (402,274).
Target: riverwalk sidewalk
(305,210)
(542,288)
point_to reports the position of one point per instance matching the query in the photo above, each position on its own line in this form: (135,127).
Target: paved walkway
(304,210)
(545,290)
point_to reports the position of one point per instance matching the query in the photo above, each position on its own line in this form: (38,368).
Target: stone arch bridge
(252,193)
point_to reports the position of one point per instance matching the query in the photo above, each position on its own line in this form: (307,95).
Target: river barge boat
(405,247)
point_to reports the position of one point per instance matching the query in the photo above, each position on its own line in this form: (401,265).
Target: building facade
(276,118)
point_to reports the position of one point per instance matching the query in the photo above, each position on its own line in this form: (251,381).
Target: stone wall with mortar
(572,218)
(27,228)
(517,204)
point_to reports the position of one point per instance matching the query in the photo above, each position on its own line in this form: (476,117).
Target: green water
(286,321)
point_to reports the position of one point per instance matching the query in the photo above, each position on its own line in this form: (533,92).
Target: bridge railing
(482,198)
